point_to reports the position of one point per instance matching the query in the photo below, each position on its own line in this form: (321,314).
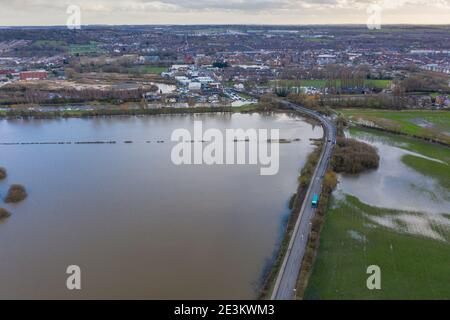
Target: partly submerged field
(428,124)
(411,250)
(397,217)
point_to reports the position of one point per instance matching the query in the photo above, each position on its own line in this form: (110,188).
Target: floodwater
(138,226)
(422,202)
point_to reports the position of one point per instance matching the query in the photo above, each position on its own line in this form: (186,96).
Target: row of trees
(36,96)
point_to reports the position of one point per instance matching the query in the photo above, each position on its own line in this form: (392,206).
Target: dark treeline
(425,82)
(29,95)
(24,113)
(372,101)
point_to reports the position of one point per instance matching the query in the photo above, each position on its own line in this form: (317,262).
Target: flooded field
(137,225)
(396,217)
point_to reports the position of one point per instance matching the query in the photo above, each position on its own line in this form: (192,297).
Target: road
(287,277)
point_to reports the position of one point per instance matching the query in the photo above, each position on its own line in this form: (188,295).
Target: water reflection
(394,185)
(138,226)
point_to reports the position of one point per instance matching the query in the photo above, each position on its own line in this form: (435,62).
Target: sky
(293,12)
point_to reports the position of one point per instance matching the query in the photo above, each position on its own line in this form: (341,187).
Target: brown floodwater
(138,226)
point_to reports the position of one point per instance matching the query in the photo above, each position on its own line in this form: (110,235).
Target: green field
(440,171)
(322,83)
(430,150)
(424,123)
(92,47)
(247,108)
(412,266)
(436,170)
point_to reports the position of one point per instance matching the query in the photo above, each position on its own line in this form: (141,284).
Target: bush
(2,173)
(16,193)
(330,182)
(4,214)
(353,157)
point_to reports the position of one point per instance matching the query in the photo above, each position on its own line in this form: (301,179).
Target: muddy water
(137,225)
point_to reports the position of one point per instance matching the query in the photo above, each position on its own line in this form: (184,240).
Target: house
(195,86)
(324,59)
(33,75)
(5,74)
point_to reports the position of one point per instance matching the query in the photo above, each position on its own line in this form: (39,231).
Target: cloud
(218,5)
(217,11)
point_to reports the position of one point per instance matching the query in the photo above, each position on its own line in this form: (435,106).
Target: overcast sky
(53,12)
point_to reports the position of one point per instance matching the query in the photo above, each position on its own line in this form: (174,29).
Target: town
(222,66)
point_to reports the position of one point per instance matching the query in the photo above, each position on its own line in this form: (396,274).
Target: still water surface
(137,225)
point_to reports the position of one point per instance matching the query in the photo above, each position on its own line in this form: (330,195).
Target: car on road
(315,201)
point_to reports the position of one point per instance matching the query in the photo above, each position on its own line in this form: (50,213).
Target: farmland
(413,266)
(92,47)
(427,124)
(410,144)
(407,233)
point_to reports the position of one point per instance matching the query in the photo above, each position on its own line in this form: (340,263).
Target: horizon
(232,24)
(23,13)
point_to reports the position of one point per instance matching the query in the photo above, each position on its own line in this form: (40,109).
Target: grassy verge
(247,108)
(412,267)
(329,184)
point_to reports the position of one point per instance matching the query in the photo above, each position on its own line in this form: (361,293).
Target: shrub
(4,214)
(16,193)
(2,173)
(353,157)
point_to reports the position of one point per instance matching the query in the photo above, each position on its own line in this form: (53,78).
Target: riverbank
(99,112)
(23,113)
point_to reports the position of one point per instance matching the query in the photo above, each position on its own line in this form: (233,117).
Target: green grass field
(436,170)
(321,83)
(425,123)
(84,48)
(412,266)
(415,145)
(247,108)
(149,70)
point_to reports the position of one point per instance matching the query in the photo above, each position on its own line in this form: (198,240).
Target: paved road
(288,274)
